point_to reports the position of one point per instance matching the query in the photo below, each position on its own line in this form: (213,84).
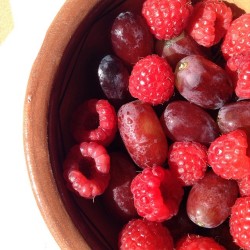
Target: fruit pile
(167,146)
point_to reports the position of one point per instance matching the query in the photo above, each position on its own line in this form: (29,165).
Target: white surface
(21,223)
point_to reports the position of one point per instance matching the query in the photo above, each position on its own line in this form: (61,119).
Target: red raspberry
(197,242)
(209,22)
(244,186)
(227,155)
(240,223)
(240,65)
(94,120)
(157,195)
(166,18)
(140,234)
(237,38)
(188,161)
(152,80)
(86,169)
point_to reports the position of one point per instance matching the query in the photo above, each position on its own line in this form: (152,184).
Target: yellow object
(6,20)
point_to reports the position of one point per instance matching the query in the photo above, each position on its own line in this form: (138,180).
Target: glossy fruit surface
(210,200)
(131,38)
(142,134)
(234,116)
(177,48)
(118,198)
(113,77)
(184,121)
(202,82)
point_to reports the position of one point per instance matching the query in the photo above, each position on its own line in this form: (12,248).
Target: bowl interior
(75,81)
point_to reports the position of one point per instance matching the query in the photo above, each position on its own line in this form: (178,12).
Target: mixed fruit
(176,100)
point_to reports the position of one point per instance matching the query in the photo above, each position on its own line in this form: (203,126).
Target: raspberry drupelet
(188,161)
(157,194)
(140,234)
(94,120)
(197,242)
(152,80)
(227,155)
(167,19)
(209,22)
(239,222)
(86,169)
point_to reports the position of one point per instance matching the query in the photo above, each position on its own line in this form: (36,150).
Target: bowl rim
(35,119)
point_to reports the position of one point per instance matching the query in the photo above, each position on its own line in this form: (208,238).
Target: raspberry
(240,64)
(239,222)
(152,80)
(86,169)
(145,235)
(157,194)
(166,18)
(209,22)
(197,242)
(94,120)
(244,186)
(188,161)
(237,38)
(227,155)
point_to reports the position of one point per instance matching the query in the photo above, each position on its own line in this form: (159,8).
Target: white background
(21,223)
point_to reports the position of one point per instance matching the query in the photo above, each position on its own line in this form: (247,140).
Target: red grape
(210,200)
(184,121)
(203,82)
(131,37)
(142,134)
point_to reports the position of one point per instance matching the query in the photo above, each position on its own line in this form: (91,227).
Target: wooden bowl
(63,75)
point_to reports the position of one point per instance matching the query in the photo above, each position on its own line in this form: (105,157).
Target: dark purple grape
(234,116)
(203,82)
(118,198)
(131,37)
(177,48)
(113,77)
(210,200)
(184,121)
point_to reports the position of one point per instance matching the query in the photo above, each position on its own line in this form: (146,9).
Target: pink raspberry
(152,80)
(86,169)
(157,194)
(167,19)
(244,186)
(227,155)
(140,234)
(197,242)
(209,22)
(239,222)
(239,67)
(188,161)
(94,120)
(237,39)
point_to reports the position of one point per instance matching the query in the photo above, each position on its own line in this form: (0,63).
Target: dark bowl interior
(75,81)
